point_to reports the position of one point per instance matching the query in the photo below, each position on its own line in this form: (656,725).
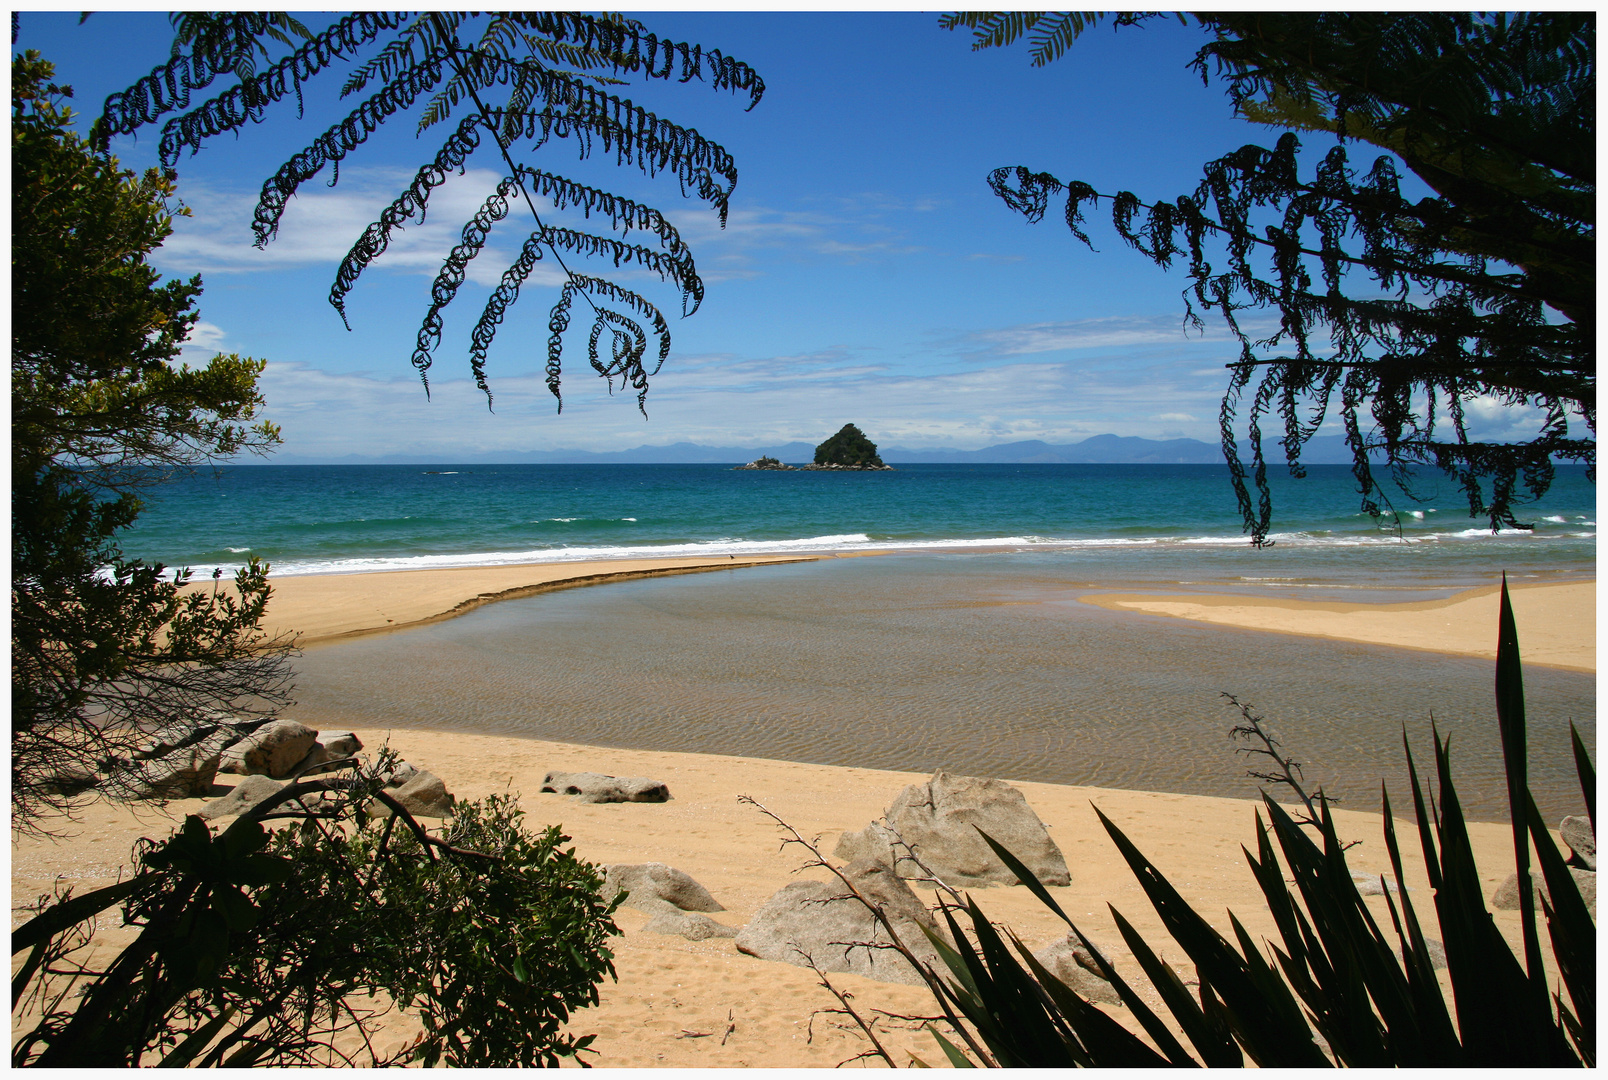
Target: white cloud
(1108,333)
(724,401)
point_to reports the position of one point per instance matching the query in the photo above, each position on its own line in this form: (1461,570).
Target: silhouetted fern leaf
(425,68)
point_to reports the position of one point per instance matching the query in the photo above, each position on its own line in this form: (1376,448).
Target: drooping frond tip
(552,70)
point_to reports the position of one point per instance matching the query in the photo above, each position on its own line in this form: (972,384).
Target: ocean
(965,649)
(1164,519)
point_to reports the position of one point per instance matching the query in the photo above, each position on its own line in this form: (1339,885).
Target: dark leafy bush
(267,949)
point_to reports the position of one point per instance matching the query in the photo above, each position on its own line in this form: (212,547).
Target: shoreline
(1556,621)
(320,608)
(669,987)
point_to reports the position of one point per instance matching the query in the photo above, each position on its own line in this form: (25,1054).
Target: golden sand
(675,999)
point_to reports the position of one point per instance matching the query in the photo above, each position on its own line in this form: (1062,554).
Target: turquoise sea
(966,648)
(1124,519)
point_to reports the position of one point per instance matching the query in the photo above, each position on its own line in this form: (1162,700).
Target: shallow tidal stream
(980,664)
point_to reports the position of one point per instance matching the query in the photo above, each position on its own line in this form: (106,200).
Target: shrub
(259,948)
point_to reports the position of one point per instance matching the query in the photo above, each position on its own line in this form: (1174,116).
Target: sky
(866,274)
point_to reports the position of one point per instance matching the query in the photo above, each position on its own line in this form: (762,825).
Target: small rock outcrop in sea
(597,788)
(1071,962)
(848,449)
(934,822)
(822,920)
(770,463)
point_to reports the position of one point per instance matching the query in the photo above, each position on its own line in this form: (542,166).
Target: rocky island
(848,449)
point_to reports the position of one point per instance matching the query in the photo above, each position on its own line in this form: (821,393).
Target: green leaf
(957,1059)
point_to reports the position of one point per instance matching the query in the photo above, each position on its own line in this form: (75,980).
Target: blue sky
(866,274)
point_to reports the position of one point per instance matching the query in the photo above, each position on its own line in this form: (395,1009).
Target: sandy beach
(1557,624)
(684,1004)
(675,999)
(321,607)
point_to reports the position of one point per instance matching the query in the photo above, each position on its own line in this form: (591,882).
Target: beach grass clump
(289,947)
(1338,989)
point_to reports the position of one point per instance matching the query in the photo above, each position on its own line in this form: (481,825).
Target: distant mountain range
(1099,449)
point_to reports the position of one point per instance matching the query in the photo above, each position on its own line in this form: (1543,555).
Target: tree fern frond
(629,47)
(629,368)
(223,42)
(397,55)
(455,269)
(636,135)
(1051,41)
(411,203)
(502,298)
(552,69)
(233,109)
(342,139)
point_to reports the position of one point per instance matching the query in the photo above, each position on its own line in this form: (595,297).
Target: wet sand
(1557,623)
(321,607)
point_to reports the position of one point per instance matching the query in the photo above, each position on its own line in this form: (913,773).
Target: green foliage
(101,644)
(1371,995)
(526,78)
(848,447)
(1396,314)
(262,949)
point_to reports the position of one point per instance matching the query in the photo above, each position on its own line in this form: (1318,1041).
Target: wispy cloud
(728,401)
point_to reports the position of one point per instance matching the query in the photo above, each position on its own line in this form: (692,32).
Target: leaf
(957,1059)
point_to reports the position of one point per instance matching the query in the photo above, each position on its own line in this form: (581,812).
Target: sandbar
(1556,623)
(687,1004)
(320,607)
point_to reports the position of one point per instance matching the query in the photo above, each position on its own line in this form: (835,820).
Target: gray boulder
(180,773)
(590,787)
(825,922)
(1072,963)
(422,794)
(936,821)
(690,925)
(272,750)
(655,887)
(1582,840)
(333,746)
(246,794)
(1506,896)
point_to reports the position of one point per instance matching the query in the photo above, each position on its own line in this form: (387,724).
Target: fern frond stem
(502,147)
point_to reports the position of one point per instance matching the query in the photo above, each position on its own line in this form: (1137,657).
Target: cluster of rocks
(1581,839)
(928,834)
(766,463)
(866,467)
(181,761)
